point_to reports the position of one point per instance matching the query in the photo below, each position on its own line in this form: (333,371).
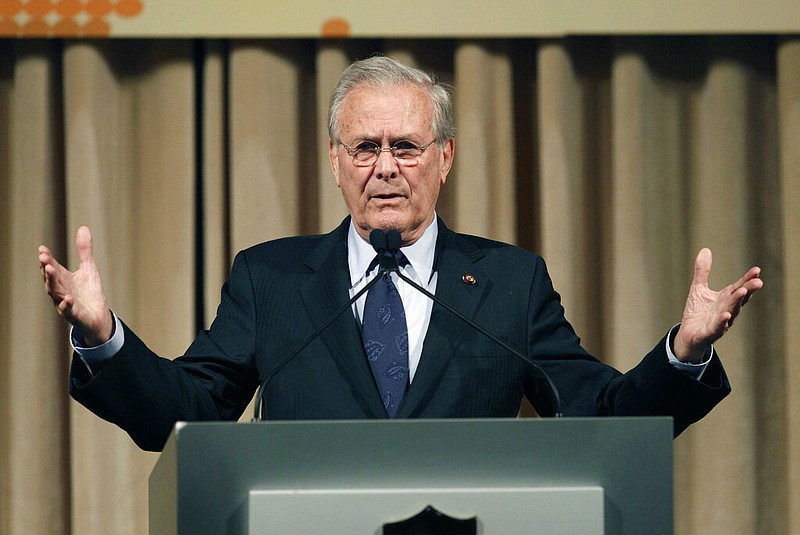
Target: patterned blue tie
(385,338)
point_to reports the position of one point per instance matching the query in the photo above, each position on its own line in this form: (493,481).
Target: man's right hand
(78,295)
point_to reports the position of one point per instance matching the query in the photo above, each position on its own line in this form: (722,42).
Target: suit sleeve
(146,394)
(587,387)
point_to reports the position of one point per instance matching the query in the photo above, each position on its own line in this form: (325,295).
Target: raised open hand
(78,295)
(709,314)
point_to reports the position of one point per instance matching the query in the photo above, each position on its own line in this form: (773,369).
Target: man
(391,149)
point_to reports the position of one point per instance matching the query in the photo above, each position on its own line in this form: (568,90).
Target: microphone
(385,245)
(382,241)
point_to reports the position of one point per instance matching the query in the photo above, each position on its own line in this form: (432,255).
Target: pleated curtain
(616,158)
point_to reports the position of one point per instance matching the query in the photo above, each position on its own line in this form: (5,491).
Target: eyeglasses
(366,153)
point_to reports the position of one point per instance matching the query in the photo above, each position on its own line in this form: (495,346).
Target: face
(388,195)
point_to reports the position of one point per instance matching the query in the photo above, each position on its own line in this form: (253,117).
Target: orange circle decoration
(36,28)
(336,27)
(9,28)
(128,8)
(96,28)
(99,8)
(39,8)
(10,8)
(63,18)
(66,28)
(69,8)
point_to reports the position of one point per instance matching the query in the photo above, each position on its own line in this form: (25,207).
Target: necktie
(385,338)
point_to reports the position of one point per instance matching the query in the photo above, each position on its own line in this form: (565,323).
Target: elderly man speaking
(394,353)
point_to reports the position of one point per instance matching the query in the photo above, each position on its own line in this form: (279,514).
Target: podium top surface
(207,469)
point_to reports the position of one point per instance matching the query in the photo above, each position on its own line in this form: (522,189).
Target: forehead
(392,112)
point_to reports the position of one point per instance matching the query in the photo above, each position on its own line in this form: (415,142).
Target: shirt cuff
(96,357)
(693,370)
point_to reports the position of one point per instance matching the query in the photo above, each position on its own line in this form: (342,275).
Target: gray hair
(385,72)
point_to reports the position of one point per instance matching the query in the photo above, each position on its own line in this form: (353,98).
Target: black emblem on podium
(429,521)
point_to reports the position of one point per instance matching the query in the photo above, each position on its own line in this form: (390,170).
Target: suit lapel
(455,257)
(323,293)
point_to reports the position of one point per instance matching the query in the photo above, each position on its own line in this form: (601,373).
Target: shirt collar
(420,254)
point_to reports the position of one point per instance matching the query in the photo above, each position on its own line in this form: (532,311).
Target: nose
(386,166)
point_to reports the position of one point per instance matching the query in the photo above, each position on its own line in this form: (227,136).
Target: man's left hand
(709,314)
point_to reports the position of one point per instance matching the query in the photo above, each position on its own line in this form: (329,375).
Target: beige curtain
(616,158)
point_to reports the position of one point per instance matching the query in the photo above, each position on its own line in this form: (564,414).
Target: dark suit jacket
(279,291)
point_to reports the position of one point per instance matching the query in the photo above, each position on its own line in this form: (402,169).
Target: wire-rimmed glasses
(405,152)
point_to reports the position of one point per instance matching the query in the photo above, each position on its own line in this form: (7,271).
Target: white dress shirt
(417,306)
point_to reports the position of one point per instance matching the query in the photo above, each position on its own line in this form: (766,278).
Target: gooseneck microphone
(380,242)
(390,246)
(387,246)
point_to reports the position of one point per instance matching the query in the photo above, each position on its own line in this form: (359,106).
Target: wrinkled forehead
(370,110)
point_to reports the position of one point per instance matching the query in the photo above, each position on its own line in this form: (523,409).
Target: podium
(579,476)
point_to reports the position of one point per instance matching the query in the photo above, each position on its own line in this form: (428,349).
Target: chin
(390,222)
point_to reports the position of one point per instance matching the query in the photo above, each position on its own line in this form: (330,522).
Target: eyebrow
(392,140)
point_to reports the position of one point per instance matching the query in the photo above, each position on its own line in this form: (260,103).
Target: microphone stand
(257,417)
(387,245)
(555,399)
(383,243)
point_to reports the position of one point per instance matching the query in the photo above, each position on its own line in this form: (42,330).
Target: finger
(752,274)
(46,259)
(49,271)
(749,288)
(748,296)
(719,327)
(85,245)
(733,313)
(56,299)
(738,299)
(53,284)
(65,306)
(45,256)
(726,321)
(702,267)
(734,301)
(752,286)
(42,261)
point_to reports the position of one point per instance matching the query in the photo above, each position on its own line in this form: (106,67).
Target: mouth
(387,197)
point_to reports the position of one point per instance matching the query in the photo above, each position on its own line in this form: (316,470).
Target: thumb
(85,246)
(702,267)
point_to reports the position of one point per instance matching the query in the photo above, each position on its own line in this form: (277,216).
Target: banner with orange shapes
(412,18)
(64,18)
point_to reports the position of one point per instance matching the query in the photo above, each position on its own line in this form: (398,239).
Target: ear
(334,161)
(448,153)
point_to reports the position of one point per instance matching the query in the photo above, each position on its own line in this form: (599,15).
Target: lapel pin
(469,280)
